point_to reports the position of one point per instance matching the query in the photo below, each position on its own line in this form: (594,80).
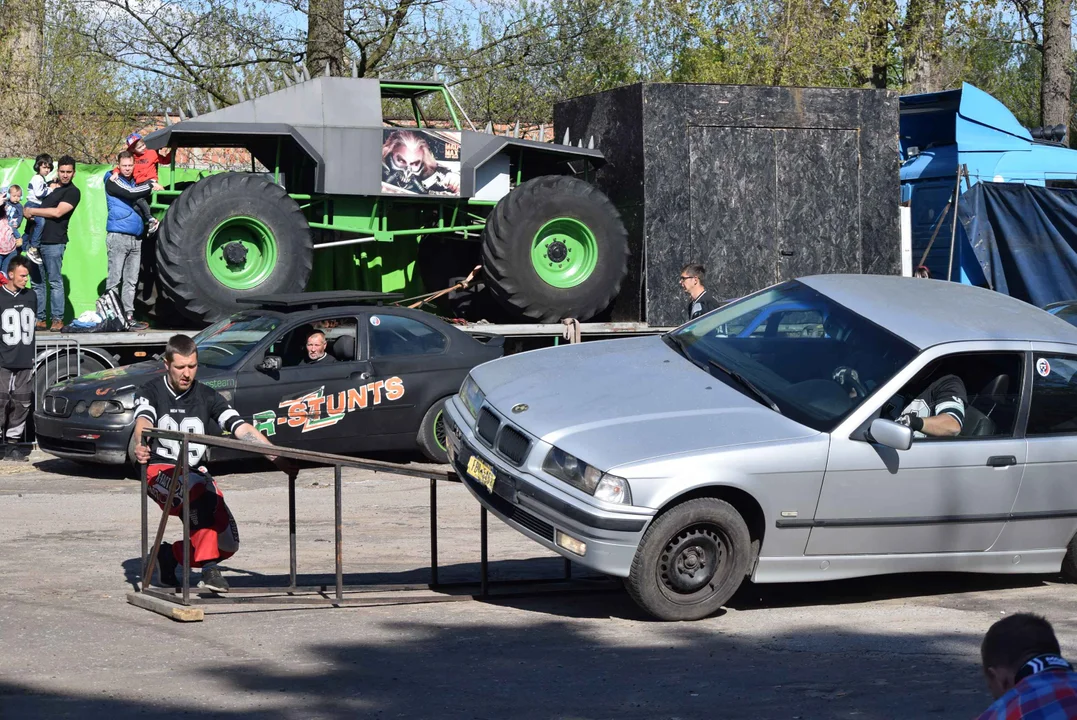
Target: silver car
(760,441)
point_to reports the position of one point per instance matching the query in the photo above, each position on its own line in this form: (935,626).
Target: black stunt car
(391,371)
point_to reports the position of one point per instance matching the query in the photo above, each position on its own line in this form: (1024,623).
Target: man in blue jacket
(125,227)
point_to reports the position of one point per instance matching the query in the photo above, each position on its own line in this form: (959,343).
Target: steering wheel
(848,378)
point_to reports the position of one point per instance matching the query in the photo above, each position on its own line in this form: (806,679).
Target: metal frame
(325,593)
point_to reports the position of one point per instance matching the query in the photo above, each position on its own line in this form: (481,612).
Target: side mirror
(271,363)
(891,434)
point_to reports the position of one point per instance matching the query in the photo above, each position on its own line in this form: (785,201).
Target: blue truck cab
(942,131)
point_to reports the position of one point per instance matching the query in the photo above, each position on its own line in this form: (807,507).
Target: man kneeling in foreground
(176,401)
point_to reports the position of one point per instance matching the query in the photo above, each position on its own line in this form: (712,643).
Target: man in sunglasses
(700,301)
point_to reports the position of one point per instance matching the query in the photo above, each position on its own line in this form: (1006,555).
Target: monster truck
(362,201)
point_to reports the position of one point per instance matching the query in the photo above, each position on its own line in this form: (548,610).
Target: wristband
(916,423)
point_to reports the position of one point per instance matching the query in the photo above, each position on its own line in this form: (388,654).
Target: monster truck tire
(277,246)
(537,225)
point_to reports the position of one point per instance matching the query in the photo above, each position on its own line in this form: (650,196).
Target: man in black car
(938,411)
(316,344)
(176,401)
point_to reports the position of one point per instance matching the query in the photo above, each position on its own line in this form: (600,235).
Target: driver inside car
(938,411)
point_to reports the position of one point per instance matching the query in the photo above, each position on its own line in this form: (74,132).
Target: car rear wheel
(1069,563)
(431,438)
(691,560)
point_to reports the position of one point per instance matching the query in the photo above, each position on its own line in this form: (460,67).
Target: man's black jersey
(18,313)
(944,396)
(188,412)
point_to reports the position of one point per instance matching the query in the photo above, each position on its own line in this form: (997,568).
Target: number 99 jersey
(18,312)
(187,412)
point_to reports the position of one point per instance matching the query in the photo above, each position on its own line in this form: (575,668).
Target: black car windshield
(795,350)
(226,342)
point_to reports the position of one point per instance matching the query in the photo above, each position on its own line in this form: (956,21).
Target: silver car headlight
(471,396)
(604,486)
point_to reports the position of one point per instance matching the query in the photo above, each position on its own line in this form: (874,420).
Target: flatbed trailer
(61,356)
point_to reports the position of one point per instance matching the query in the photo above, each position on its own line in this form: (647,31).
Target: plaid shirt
(1050,695)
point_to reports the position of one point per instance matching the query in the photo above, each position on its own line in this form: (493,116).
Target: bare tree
(922,42)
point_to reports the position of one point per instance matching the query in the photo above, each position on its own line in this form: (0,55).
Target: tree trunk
(1057,56)
(879,53)
(924,24)
(20,85)
(325,36)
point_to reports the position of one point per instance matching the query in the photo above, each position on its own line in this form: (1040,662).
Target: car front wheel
(431,436)
(691,560)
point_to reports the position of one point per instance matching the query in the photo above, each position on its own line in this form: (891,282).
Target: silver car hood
(616,402)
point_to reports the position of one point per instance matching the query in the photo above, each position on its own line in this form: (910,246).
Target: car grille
(540,527)
(515,513)
(56,405)
(510,443)
(488,424)
(74,447)
(513,445)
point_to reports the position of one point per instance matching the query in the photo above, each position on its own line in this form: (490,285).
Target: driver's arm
(945,425)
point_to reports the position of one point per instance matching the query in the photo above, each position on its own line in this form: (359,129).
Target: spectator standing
(57,208)
(1026,672)
(9,247)
(38,188)
(124,227)
(700,301)
(18,307)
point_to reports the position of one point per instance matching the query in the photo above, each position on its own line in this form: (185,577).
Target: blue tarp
(1025,239)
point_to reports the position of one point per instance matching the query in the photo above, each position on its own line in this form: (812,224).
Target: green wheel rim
(564,252)
(249,238)
(439,430)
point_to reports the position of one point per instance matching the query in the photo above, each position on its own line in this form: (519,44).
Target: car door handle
(360,376)
(1001,461)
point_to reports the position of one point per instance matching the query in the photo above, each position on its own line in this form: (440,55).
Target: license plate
(482,472)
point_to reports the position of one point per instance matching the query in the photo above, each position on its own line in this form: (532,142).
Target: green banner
(381,266)
(85,261)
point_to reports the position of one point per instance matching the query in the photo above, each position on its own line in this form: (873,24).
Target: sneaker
(212,579)
(57,326)
(166,561)
(34,256)
(13,452)
(41,325)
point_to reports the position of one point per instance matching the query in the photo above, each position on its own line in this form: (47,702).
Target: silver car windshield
(227,341)
(796,351)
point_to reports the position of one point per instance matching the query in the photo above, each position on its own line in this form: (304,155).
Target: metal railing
(291,592)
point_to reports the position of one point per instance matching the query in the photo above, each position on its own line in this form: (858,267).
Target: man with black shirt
(316,353)
(57,208)
(18,308)
(939,411)
(700,301)
(175,401)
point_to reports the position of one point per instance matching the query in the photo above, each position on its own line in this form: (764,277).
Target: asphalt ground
(71,646)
